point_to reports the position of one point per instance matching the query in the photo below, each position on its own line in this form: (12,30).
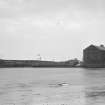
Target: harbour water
(52,86)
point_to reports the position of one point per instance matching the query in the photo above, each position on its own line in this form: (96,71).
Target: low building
(94,56)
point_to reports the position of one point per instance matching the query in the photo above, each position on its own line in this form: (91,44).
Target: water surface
(52,86)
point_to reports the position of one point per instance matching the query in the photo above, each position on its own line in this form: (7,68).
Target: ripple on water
(96,94)
(57,85)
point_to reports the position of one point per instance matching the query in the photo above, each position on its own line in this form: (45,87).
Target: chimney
(101,45)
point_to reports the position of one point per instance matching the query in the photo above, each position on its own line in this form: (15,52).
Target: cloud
(53,15)
(39,25)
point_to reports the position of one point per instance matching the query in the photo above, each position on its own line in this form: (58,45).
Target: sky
(55,29)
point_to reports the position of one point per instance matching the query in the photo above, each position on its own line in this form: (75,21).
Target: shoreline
(38,63)
(41,67)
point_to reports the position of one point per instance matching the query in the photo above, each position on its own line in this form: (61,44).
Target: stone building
(94,56)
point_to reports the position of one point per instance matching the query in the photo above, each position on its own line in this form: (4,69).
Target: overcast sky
(55,29)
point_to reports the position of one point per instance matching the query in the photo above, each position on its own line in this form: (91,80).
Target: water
(52,86)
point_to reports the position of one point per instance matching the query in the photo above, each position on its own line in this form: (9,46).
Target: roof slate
(102,48)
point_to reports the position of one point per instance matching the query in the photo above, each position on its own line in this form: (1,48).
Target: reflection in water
(95,87)
(95,97)
(57,86)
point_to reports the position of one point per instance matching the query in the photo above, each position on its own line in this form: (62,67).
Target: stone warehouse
(94,56)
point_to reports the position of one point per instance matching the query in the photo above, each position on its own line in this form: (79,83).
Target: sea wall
(37,63)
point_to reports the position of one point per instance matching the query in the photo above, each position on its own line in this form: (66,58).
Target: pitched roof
(101,47)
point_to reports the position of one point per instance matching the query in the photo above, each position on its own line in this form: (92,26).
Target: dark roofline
(102,48)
